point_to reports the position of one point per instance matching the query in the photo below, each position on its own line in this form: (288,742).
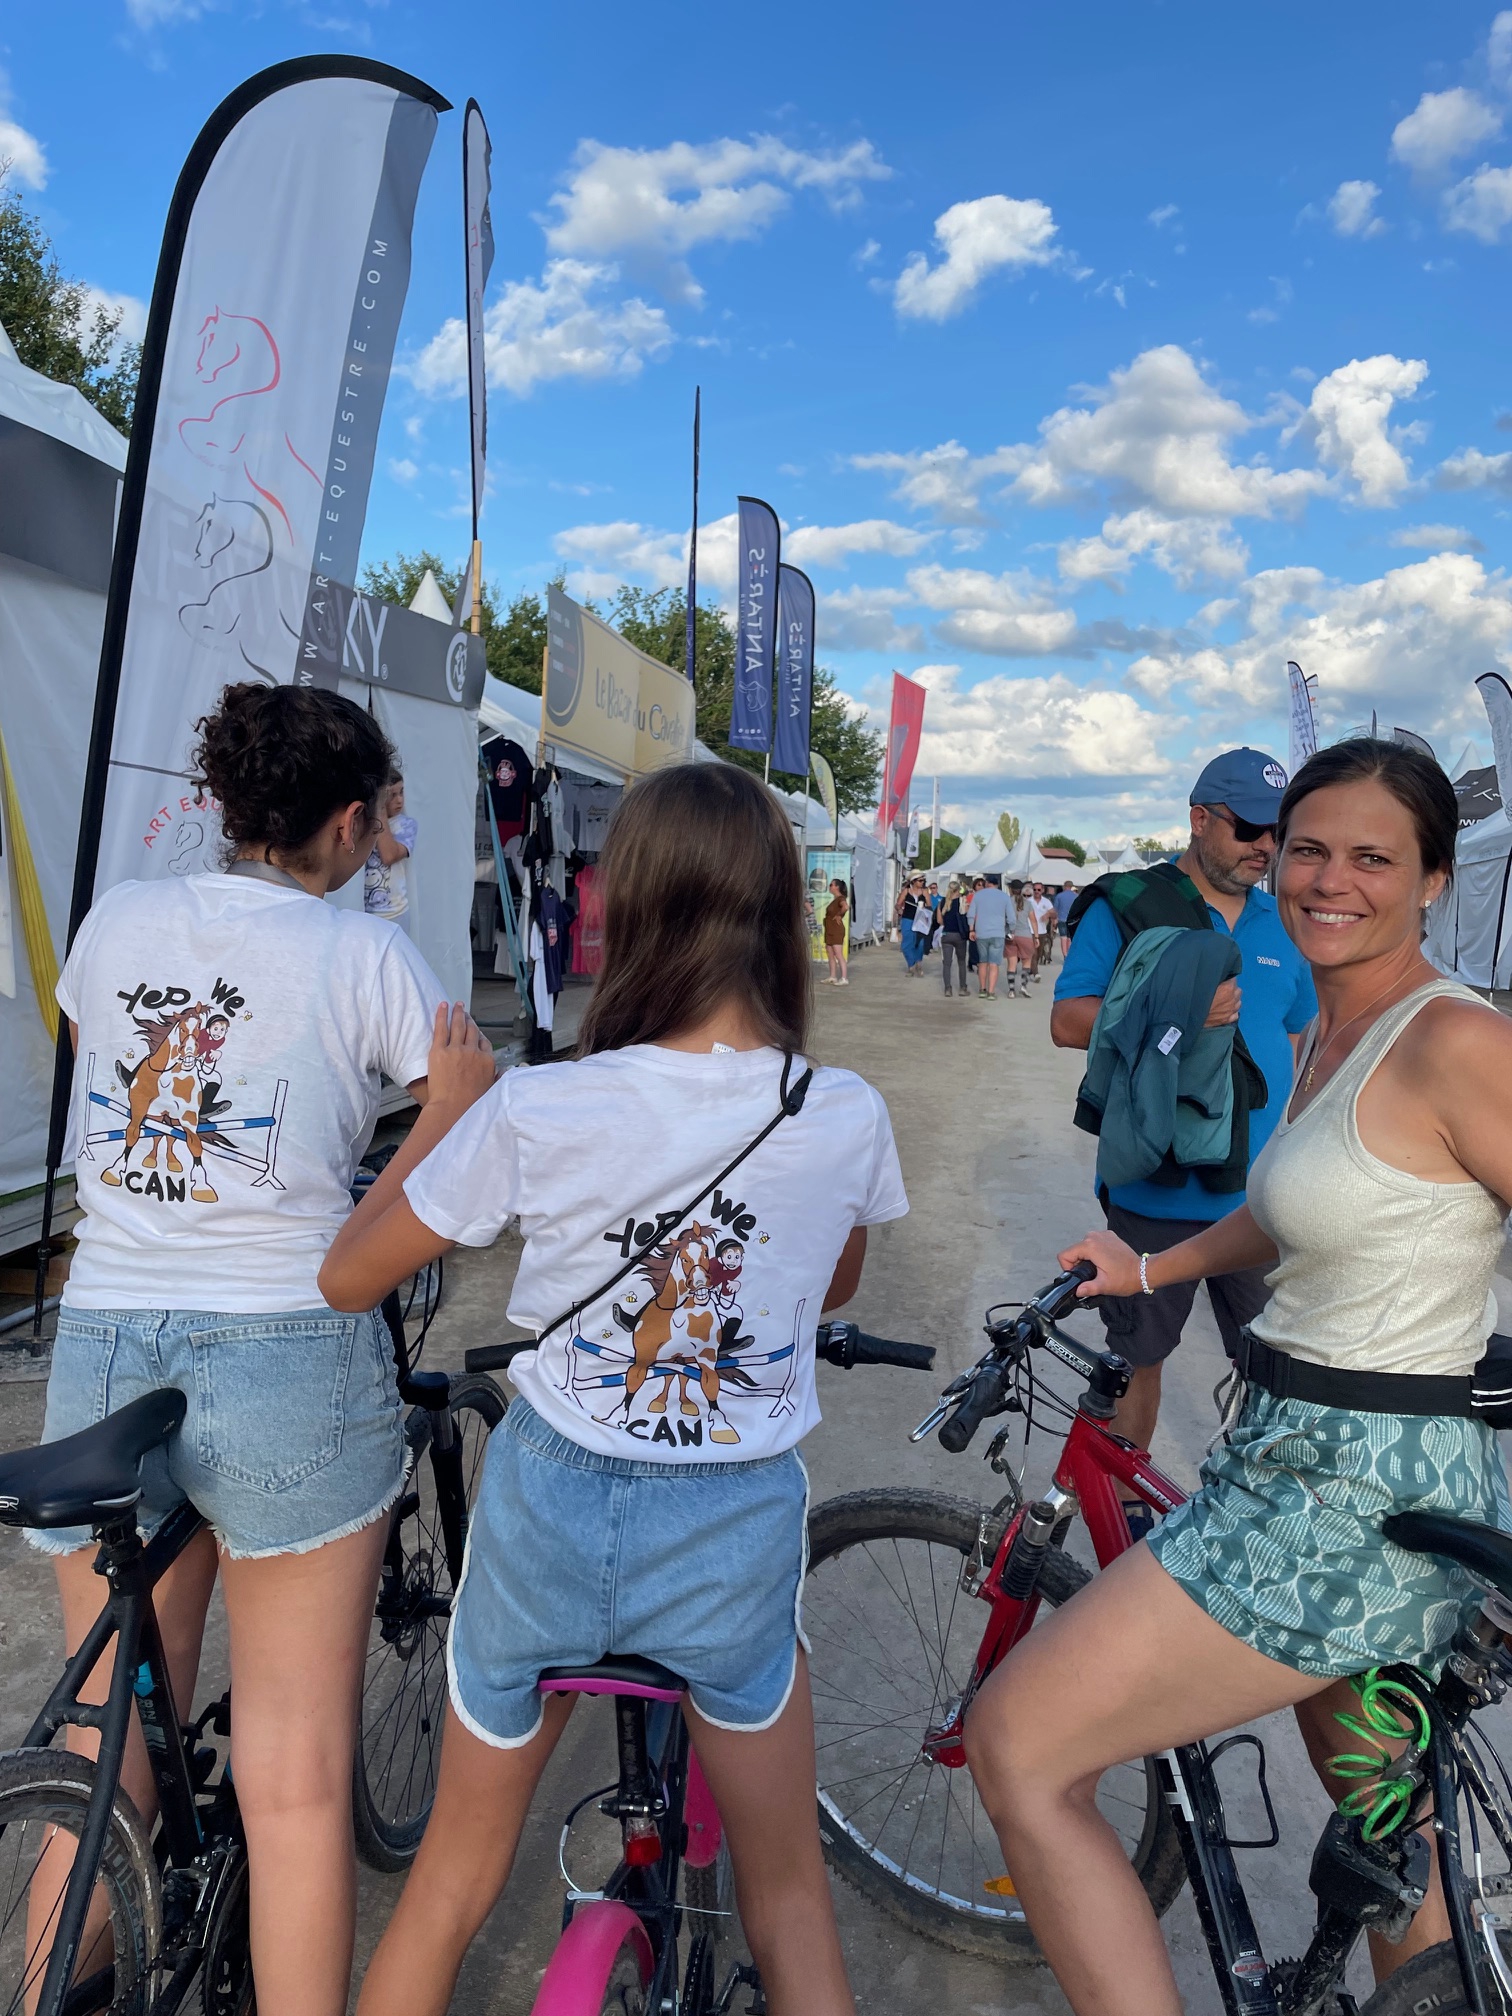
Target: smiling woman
(1377,1209)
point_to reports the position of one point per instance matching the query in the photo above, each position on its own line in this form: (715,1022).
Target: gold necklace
(1318,1055)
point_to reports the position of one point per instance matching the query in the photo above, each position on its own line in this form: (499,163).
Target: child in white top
(654,1451)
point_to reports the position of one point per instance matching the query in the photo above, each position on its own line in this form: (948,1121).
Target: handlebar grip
(985,1395)
(883,1351)
(495,1357)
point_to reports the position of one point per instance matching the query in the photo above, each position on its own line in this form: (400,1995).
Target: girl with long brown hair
(645,1495)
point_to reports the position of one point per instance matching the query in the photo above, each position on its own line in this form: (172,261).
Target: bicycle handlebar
(841,1344)
(984,1390)
(844,1345)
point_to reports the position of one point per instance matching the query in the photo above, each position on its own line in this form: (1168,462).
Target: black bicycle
(144,1914)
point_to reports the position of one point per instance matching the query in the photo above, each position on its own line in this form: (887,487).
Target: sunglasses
(1244,829)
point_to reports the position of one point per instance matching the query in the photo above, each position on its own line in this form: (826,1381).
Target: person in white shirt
(232,1032)
(654,1450)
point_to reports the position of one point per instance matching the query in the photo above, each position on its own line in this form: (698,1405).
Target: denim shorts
(292,1437)
(572,1555)
(989,950)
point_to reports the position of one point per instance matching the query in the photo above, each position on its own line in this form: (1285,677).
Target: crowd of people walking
(982,928)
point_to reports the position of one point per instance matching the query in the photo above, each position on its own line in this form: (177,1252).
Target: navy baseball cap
(1248,781)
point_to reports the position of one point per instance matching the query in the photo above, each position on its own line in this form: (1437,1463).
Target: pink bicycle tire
(580,1971)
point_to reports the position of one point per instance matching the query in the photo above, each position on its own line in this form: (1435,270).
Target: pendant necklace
(1318,1055)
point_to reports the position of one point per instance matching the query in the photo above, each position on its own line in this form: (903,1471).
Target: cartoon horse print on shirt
(171,1087)
(682,1321)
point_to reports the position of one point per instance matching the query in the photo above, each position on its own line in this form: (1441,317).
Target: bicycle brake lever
(930,1422)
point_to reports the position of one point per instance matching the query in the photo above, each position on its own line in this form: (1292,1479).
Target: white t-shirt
(705,1351)
(385,884)
(241,1031)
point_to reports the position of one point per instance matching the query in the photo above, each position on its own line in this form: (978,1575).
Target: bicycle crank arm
(1240,1967)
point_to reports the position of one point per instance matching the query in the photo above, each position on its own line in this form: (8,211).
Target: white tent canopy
(1470,926)
(57,516)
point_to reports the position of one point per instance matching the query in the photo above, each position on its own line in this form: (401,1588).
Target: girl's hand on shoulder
(461,1067)
(1117,1265)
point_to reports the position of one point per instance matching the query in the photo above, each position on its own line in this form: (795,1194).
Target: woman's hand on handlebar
(1117,1265)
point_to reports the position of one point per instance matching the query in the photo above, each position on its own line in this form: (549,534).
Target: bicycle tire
(1428,1984)
(51,1789)
(404,1682)
(918,1526)
(709,1897)
(625,1990)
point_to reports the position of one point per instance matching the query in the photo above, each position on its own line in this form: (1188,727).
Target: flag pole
(934,823)
(693,539)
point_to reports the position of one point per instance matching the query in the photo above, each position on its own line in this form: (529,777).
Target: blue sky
(1098,358)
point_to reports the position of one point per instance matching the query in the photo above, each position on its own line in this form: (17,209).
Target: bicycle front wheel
(404,1685)
(893,1639)
(44,1795)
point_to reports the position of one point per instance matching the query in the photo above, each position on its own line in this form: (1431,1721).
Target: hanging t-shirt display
(554,916)
(508,784)
(588,925)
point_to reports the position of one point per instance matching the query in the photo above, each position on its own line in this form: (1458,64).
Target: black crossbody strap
(791,1103)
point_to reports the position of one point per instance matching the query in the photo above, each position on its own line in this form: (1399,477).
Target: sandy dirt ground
(998,1181)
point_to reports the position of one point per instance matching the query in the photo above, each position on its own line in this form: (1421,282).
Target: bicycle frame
(140,1678)
(1093,1463)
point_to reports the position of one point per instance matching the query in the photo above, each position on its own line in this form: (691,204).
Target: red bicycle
(897,1656)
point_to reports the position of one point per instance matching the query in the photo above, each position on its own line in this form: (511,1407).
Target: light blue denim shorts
(292,1437)
(572,1555)
(990,951)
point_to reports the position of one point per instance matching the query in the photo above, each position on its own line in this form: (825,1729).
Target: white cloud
(566,325)
(828,545)
(977,238)
(1444,126)
(1164,215)
(1411,641)
(1351,210)
(155,13)
(133,313)
(1499,49)
(1190,550)
(1040,727)
(947,481)
(1009,615)
(402,469)
(865,619)
(23,151)
(1471,470)
(1481,205)
(600,557)
(1158,431)
(1347,417)
(1436,538)
(648,207)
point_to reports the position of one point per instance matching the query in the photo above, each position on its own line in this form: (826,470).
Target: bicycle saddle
(614,1675)
(87,1478)
(1484,1551)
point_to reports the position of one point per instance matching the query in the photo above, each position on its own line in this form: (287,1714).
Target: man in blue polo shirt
(1234,807)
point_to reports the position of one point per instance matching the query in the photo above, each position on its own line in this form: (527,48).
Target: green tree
(49,319)
(1149,845)
(947,844)
(1008,829)
(1074,848)
(655,621)
(513,643)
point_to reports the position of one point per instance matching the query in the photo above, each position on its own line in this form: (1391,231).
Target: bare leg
(467,1851)
(1324,1739)
(1090,1687)
(763,1785)
(180,1599)
(299,1635)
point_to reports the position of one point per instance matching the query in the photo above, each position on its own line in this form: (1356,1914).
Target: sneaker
(842,983)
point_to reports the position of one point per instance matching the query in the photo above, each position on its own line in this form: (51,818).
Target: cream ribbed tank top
(1379,1271)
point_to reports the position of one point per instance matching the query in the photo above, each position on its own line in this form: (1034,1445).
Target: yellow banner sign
(606,700)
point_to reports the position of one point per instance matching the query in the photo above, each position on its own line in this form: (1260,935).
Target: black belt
(1289,1378)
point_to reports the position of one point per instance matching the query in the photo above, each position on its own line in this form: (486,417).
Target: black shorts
(1146,1329)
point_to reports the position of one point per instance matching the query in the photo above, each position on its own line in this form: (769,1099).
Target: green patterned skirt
(1281,1544)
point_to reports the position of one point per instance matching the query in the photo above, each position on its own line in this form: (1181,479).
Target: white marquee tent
(60,467)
